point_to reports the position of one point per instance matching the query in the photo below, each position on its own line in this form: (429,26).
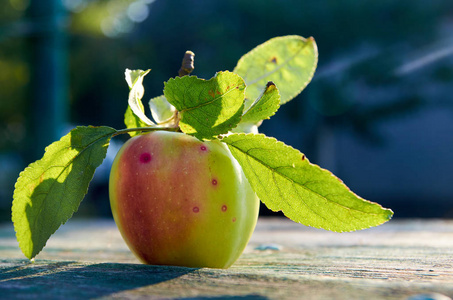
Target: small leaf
(132,76)
(285,180)
(132,121)
(264,107)
(246,128)
(207,107)
(288,61)
(135,81)
(161,110)
(50,190)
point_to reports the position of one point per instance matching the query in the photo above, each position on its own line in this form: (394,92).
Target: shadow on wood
(47,279)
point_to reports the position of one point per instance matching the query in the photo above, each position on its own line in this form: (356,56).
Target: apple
(180,201)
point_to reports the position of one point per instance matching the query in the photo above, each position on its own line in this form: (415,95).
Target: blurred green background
(378,113)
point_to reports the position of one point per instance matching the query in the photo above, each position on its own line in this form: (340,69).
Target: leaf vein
(64,168)
(210,101)
(288,178)
(278,67)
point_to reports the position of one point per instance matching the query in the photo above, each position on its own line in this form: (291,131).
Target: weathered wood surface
(87,259)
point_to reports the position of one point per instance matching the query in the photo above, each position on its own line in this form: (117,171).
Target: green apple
(180,201)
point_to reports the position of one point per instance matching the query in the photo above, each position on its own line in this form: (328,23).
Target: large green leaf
(207,108)
(285,180)
(50,190)
(288,61)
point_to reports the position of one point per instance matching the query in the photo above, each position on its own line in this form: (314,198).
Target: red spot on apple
(224,208)
(234,220)
(145,158)
(203,148)
(214,182)
(196,209)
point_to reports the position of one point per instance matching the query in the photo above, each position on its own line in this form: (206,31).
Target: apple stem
(187,65)
(155,128)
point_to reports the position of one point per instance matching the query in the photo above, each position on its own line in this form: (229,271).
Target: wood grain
(88,259)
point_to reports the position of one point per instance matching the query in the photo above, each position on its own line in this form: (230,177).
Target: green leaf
(285,180)
(161,110)
(207,107)
(50,190)
(264,107)
(132,121)
(288,61)
(135,81)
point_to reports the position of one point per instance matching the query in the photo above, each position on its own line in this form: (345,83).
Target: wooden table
(88,259)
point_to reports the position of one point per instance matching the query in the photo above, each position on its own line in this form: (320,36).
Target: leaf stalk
(146,129)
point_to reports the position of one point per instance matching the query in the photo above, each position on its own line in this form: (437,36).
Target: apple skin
(180,201)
